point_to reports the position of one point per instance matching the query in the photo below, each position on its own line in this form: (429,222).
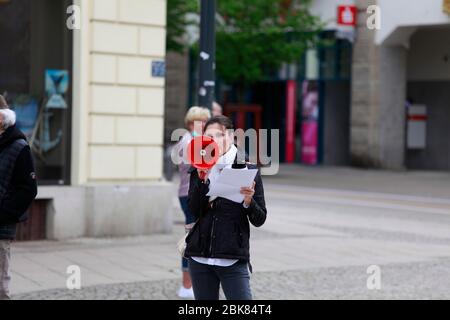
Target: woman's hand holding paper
(248,193)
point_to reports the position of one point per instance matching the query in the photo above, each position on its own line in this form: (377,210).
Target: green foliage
(255,37)
(177,21)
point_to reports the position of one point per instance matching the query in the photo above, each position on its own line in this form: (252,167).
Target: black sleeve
(197,199)
(23,191)
(257,211)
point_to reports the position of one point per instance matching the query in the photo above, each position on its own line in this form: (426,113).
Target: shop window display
(35,75)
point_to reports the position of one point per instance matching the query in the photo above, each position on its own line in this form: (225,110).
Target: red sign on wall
(291,101)
(346,15)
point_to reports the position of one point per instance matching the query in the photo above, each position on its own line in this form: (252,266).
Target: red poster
(290,120)
(309,146)
(310,115)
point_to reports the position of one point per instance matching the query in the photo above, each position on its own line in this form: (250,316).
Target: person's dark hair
(222,120)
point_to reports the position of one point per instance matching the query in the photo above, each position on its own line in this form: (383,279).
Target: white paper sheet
(229,183)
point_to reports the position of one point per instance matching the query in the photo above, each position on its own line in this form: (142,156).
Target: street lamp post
(207,58)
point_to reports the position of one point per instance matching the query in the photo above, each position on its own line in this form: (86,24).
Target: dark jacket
(19,181)
(222,231)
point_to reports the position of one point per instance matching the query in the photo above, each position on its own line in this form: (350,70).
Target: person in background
(195,120)
(18,188)
(217,109)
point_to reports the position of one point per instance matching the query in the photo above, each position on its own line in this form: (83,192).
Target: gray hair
(8,118)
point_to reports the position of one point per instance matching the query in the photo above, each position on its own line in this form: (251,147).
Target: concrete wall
(66,211)
(128,210)
(378,99)
(107,210)
(392,97)
(429,54)
(400,18)
(363,136)
(429,84)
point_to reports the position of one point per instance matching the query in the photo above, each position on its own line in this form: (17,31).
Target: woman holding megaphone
(195,120)
(218,245)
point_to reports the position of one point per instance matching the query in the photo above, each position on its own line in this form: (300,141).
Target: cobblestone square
(325,228)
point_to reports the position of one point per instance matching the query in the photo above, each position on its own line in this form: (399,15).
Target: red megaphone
(203,153)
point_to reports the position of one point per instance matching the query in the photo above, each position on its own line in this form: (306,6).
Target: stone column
(378,99)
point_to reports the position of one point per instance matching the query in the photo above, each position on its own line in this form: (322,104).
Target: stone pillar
(392,92)
(378,99)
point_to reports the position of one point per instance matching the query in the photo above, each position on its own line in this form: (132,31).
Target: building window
(335,57)
(35,76)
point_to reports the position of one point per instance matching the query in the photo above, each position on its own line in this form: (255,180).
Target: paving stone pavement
(324,229)
(421,280)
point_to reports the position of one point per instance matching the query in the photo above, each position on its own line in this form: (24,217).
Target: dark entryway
(35,227)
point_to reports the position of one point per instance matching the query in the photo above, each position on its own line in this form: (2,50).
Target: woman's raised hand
(248,193)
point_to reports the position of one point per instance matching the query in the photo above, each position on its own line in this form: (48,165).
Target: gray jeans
(5,278)
(206,281)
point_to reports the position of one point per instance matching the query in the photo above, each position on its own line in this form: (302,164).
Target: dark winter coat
(223,227)
(18,185)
